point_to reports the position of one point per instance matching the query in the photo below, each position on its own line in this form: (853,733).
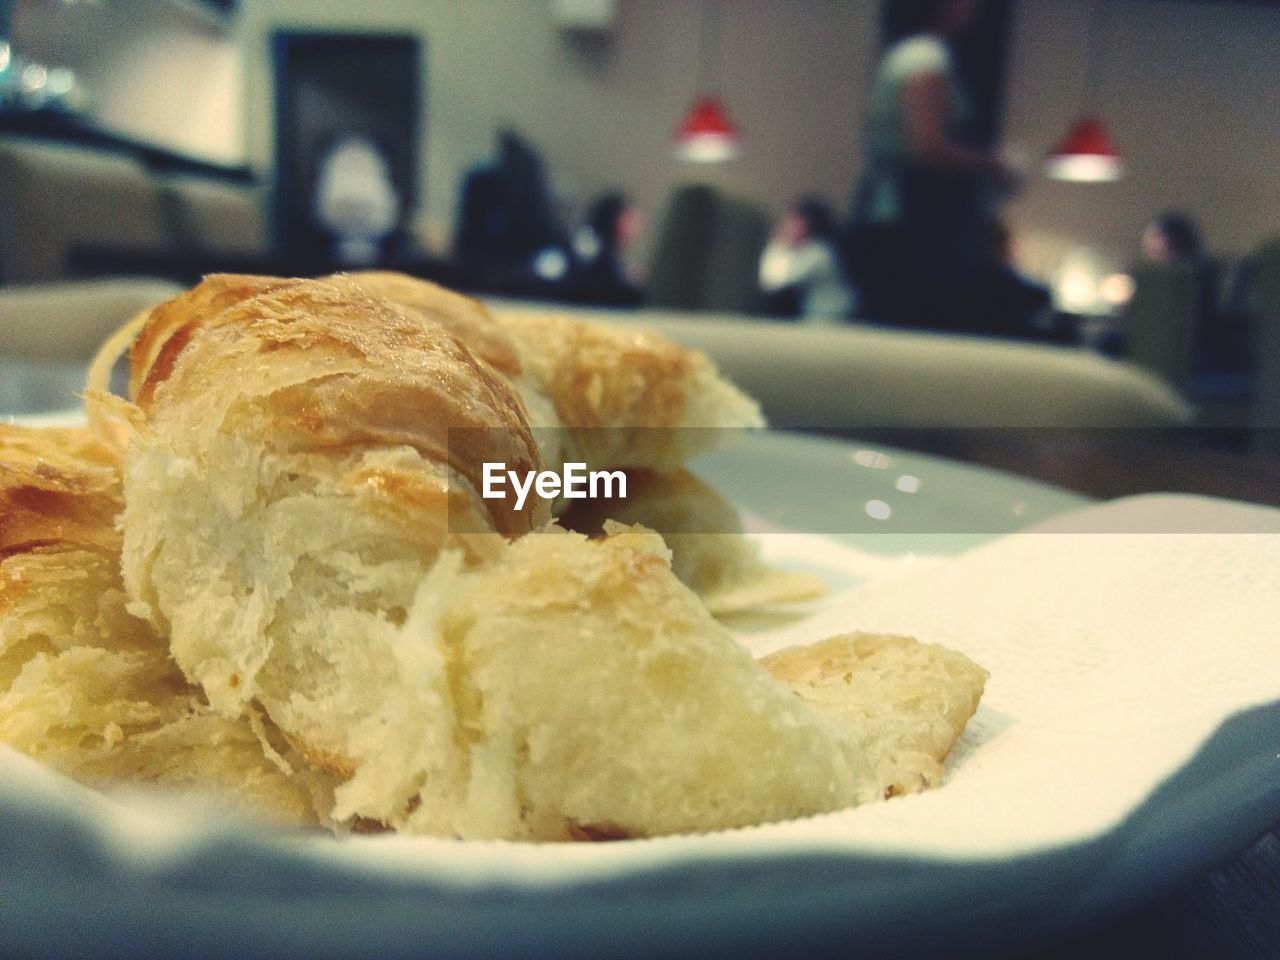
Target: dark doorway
(328,87)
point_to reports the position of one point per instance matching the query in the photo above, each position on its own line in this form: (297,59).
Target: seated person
(599,273)
(800,274)
(1004,301)
(506,218)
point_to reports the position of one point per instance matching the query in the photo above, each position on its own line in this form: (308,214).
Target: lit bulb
(1116,289)
(707,148)
(1084,168)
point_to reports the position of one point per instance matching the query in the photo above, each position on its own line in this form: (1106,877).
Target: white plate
(1057,841)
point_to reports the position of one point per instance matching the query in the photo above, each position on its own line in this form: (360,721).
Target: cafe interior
(769,182)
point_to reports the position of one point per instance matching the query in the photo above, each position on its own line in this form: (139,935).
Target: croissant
(294,473)
(302,524)
(590,695)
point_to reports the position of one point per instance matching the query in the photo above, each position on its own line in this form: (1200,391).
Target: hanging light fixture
(708,134)
(1087,153)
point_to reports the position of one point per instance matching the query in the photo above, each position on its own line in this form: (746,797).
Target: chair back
(707,254)
(1160,320)
(1265,307)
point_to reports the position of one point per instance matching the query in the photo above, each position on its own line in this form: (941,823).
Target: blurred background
(1036,235)
(1087,181)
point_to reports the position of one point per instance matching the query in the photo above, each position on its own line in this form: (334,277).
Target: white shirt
(812,266)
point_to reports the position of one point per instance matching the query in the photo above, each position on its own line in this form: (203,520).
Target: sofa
(857,376)
(69,210)
(805,377)
(50,331)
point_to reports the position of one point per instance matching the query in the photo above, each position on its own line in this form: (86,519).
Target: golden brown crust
(328,368)
(463,316)
(171,325)
(600,376)
(607,384)
(59,488)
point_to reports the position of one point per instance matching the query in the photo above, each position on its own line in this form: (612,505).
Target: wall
(1171,78)
(603,111)
(160,71)
(1191,91)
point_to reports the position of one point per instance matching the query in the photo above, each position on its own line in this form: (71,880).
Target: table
(1108,463)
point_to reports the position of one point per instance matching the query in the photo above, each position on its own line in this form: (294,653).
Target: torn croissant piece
(709,552)
(88,689)
(296,475)
(292,482)
(902,704)
(595,697)
(591,696)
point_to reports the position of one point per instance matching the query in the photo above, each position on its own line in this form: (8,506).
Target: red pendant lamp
(708,134)
(1087,154)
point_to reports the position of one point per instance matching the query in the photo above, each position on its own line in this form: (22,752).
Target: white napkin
(1118,638)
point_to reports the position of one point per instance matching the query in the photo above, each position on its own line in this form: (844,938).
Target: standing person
(800,273)
(929,190)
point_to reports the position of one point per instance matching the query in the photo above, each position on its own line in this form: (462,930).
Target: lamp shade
(1086,155)
(707,135)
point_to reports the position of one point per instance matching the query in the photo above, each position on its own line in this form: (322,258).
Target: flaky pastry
(709,552)
(361,638)
(85,687)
